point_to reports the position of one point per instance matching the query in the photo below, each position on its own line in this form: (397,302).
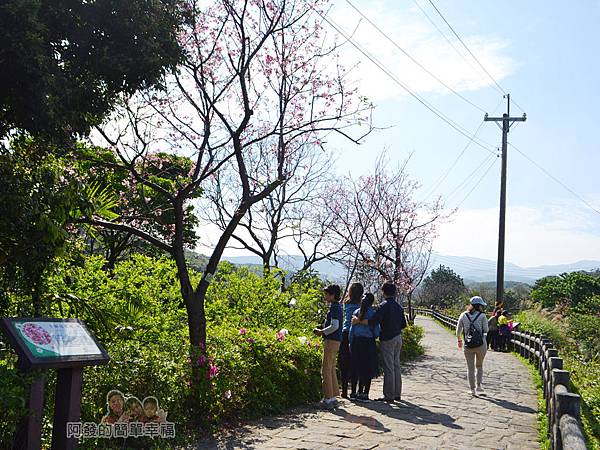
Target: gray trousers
(474,357)
(392,378)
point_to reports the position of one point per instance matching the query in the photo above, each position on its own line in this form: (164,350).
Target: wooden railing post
(569,435)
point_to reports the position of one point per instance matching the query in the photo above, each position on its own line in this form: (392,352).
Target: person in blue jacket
(363,349)
(351,304)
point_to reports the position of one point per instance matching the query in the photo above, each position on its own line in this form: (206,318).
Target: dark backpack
(474,336)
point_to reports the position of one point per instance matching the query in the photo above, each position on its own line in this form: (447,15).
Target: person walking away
(473,326)
(363,348)
(390,316)
(351,303)
(332,334)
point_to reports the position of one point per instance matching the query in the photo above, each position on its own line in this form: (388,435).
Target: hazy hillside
(471,269)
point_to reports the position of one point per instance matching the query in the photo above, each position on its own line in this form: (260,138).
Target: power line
(445,174)
(424,102)
(462,97)
(477,184)
(444,35)
(556,180)
(467,48)
(468,177)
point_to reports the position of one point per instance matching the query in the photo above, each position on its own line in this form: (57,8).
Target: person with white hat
(473,327)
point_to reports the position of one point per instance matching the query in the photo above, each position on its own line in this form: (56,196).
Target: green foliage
(412,336)
(65,62)
(571,337)
(536,321)
(583,325)
(442,288)
(569,289)
(13,398)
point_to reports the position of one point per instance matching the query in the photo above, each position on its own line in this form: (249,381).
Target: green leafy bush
(411,342)
(13,399)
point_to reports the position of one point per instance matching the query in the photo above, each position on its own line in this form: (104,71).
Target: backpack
(473,337)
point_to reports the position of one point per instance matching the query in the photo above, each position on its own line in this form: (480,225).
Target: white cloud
(411,30)
(549,234)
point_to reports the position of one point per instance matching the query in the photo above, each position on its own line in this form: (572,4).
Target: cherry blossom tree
(387,234)
(259,81)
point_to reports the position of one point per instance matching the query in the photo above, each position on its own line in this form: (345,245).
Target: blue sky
(545,55)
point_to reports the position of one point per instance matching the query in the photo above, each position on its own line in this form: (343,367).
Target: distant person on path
(473,326)
(390,316)
(332,334)
(493,336)
(363,348)
(503,331)
(351,304)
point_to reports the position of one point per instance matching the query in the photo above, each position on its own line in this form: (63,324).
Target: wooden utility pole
(506,123)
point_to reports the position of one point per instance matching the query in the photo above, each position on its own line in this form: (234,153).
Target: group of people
(350,333)
(131,409)
(500,326)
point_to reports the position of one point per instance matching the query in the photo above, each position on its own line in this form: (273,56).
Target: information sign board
(53,343)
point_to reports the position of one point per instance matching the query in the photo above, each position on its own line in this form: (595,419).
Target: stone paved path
(436,412)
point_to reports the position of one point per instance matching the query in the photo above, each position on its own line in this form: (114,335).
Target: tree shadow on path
(367,421)
(409,412)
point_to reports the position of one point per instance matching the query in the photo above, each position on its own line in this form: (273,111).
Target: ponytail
(365,304)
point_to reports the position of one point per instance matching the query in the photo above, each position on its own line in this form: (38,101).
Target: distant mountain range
(471,269)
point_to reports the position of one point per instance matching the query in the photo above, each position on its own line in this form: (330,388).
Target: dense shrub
(261,355)
(411,342)
(13,400)
(571,336)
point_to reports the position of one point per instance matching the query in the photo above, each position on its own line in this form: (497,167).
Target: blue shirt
(390,315)
(360,330)
(335,312)
(349,309)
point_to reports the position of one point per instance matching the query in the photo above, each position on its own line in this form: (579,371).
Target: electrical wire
(462,97)
(477,184)
(421,100)
(540,167)
(444,36)
(469,176)
(467,48)
(447,172)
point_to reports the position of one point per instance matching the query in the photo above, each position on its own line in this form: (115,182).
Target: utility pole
(506,124)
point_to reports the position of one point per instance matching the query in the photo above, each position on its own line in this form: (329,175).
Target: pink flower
(213,371)
(252,341)
(201,360)
(243,331)
(280,336)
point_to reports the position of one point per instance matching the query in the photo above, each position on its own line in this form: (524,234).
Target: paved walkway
(437,411)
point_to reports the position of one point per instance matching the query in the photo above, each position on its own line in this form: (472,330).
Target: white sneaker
(480,390)
(472,392)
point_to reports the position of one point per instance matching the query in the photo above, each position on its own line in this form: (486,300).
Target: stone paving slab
(437,412)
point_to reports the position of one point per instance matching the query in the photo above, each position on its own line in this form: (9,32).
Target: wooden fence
(562,406)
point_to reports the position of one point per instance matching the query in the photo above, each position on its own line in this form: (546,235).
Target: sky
(545,55)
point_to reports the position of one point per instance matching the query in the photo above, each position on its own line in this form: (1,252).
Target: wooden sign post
(63,344)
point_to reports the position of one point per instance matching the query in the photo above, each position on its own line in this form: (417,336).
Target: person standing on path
(332,334)
(363,349)
(351,303)
(473,326)
(390,316)
(493,336)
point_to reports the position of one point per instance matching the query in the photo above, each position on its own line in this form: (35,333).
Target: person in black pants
(351,304)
